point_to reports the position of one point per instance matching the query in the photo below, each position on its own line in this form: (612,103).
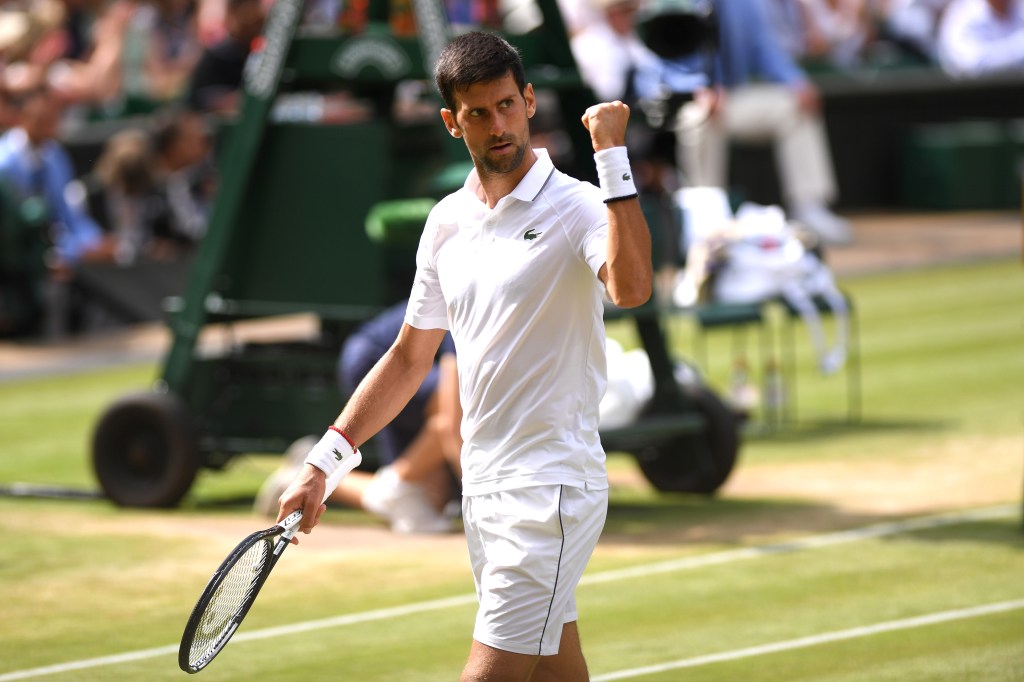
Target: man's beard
(505,163)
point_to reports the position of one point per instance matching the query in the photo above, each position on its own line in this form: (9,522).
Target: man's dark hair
(168,125)
(476,57)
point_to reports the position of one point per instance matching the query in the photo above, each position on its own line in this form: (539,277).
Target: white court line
(810,542)
(687,563)
(814,640)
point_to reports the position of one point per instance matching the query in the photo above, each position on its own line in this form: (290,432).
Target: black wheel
(698,462)
(144,450)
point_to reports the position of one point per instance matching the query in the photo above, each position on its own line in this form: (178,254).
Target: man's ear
(450,124)
(531,100)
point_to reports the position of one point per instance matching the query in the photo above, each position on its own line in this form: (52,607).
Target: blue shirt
(45,172)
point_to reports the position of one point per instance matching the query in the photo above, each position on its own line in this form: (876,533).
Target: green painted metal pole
(262,78)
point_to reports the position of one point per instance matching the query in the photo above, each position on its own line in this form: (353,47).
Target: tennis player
(515,264)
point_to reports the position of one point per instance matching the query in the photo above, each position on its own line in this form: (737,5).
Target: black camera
(674,29)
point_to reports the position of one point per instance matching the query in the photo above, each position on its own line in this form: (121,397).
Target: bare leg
(423,455)
(350,491)
(568,665)
(487,664)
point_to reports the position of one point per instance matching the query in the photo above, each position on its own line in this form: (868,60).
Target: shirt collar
(534,180)
(531,184)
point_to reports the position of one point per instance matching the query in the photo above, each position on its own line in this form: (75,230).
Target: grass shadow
(208,502)
(673,519)
(807,430)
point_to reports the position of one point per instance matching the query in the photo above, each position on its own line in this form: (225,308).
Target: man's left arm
(627,272)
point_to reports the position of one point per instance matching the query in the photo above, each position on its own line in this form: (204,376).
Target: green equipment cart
(324,145)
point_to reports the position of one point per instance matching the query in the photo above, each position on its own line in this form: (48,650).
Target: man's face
(245,22)
(494,120)
(40,119)
(1001,8)
(622,17)
(192,145)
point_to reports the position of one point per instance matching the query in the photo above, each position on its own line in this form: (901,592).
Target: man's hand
(711,100)
(306,493)
(808,98)
(607,124)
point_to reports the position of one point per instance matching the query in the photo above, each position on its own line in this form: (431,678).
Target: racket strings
(231,596)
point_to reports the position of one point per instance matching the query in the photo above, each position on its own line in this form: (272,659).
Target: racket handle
(291,522)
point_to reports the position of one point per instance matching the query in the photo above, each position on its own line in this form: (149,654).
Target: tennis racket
(236,583)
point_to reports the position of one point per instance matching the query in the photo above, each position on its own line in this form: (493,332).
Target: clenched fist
(607,124)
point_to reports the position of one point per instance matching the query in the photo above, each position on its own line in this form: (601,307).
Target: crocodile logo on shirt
(531,235)
(626,177)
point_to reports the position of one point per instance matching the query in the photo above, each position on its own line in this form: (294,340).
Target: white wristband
(332,453)
(614,174)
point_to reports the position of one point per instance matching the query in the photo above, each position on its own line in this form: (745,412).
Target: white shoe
(403,504)
(827,225)
(267,501)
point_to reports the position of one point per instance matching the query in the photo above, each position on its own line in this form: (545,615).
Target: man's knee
(488,664)
(568,665)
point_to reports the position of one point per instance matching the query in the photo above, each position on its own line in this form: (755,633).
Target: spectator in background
(161,51)
(121,195)
(210,21)
(578,14)
(8,112)
(88,69)
(33,162)
(186,176)
(418,451)
(912,25)
(38,172)
(616,63)
(762,94)
(833,33)
(978,37)
(609,52)
(217,79)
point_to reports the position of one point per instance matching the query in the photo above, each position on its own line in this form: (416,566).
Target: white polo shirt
(517,286)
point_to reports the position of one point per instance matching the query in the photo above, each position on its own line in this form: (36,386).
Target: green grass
(943,371)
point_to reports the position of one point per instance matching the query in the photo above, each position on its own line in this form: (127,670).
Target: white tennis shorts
(528,548)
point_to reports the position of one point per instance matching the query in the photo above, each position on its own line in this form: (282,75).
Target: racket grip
(291,522)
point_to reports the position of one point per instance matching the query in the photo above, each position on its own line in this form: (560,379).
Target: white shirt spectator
(914,23)
(616,64)
(608,59)
(977,37)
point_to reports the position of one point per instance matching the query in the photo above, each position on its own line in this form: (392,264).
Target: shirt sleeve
(592,219)
(427,308)
(971,42)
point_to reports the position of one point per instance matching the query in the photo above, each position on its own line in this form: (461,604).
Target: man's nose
(498,125)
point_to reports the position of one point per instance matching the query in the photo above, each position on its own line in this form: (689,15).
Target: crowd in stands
(758,81)
(159,67)
(172,63)
(964,37)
